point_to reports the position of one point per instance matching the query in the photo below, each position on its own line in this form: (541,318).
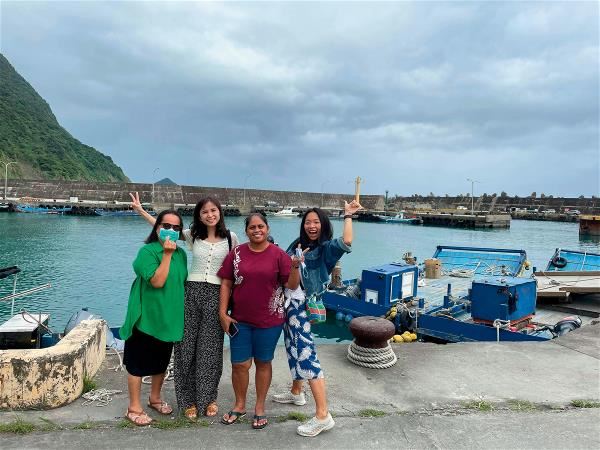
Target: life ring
(559,261)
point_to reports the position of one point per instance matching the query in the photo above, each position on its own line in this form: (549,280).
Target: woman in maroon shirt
(257,271)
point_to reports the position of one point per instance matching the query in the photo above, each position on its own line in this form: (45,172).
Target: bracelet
(296,266)
(347,216)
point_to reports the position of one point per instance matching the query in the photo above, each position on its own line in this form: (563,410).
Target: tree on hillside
(503,194)
(533,194)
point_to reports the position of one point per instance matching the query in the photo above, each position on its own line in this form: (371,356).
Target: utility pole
(245,181)
(6,175)
(472,198)
(153,178)
(357,189)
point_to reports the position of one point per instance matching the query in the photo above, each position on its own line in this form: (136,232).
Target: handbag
(316,310)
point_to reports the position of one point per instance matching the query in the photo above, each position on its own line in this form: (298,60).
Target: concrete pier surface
(470,395)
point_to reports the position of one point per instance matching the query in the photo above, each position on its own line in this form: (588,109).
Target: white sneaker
(314,426)
(289,397)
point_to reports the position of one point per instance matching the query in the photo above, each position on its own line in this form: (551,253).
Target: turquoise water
(88,259)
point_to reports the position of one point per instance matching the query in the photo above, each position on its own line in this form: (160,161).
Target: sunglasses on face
(168,226)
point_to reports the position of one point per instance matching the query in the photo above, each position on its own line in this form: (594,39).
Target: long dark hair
(153,237)
(326,229)
(199,230)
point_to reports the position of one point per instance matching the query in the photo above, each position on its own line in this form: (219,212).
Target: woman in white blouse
(199,355)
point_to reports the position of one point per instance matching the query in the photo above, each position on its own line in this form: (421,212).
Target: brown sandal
(161,407)
(191,413)
(212,409)
(140,419)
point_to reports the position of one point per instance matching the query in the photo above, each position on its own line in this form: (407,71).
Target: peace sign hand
(135,204)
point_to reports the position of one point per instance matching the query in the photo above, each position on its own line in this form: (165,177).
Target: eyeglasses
(168,226)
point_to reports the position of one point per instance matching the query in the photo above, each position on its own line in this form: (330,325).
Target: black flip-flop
(258,419)
(236,414)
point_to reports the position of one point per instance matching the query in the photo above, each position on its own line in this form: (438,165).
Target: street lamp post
(472,198)
(153,178)
(245,181)
(6,176)
(322,190)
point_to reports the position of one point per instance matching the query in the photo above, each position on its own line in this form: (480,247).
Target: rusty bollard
(371,347)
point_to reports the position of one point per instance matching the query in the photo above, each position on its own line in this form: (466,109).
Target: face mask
(171,234)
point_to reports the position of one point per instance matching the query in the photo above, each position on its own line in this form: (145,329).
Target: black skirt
(145,355)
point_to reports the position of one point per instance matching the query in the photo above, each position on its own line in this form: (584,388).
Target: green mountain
(31,135)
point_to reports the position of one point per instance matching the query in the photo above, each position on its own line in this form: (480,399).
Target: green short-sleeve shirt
(156,311)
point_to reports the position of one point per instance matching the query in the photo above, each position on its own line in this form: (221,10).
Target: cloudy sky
(413,97)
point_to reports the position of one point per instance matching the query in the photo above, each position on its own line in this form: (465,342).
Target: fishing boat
(118,213)
(589,225)
(287,211)
(569,272)
(398,218)
(25,208)
(4,207)
(476,294)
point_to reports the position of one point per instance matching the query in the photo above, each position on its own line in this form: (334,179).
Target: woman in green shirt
(154,318)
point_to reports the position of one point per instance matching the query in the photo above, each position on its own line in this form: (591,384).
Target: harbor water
(87,260)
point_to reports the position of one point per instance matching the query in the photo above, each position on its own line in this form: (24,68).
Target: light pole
(153,178)
(245,180)
(322,190)
(6,175)
(472,199)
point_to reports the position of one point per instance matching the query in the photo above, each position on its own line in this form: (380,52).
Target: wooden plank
(19,324)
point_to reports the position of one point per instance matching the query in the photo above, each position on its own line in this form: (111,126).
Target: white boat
(287,211)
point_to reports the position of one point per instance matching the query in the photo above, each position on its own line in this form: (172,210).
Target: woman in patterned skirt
(199,356)
(321,253)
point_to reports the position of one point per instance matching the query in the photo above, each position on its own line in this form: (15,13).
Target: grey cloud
(414,97)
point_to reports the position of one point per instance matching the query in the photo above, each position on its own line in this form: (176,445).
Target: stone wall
(52,377)
(174,194)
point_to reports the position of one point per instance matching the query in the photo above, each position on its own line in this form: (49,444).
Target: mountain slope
(31,135)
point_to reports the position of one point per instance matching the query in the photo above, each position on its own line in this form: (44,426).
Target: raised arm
(349,210)
(136,205)
(160,276)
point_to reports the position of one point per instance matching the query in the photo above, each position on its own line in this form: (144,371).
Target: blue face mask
(171,234)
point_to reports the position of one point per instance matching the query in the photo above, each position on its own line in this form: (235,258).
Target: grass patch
(172,424)
(371,413)
(585,404)
(19,426)
(88,384)
(125,423)
(87,425)
(521,405)
(480,405)
(298,416)
(49,425)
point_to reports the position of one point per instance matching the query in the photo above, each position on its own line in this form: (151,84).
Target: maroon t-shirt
(258,279)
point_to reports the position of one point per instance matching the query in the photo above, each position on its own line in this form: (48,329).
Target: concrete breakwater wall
(62,191)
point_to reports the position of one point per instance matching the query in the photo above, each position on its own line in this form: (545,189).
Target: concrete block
(52,377)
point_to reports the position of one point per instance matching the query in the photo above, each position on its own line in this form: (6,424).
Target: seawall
(175,194)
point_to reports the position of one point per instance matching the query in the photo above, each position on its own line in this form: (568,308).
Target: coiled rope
(372,358)
(99,397)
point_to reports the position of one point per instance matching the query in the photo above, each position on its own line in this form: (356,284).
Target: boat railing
(14,271)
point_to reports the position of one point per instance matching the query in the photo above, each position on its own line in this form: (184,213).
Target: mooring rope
(372,358)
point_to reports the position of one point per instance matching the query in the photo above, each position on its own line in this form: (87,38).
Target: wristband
(347,216)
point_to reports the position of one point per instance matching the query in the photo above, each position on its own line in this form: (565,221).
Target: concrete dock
(472,395)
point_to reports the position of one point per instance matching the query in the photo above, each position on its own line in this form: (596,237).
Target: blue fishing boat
(477,294)
(398,218)
(118,213)
(43,209)
(573,261)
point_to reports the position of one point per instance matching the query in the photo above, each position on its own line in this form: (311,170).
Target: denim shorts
(253,342)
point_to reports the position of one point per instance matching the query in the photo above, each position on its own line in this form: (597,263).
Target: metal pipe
(26,292)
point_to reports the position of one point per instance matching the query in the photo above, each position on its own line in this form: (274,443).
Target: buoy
(339,315)
(348,317)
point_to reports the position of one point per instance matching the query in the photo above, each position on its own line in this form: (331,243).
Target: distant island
(31,136)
